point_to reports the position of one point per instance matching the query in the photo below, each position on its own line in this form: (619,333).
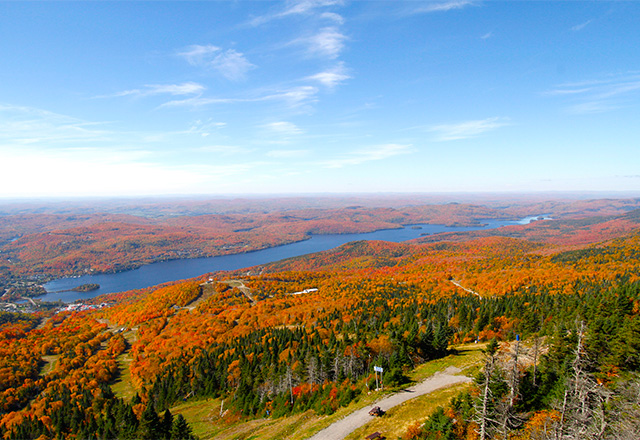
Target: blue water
(162,272)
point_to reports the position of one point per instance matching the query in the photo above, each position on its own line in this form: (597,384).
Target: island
(86,287)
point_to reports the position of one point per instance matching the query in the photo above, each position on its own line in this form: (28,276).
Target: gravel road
(344,427)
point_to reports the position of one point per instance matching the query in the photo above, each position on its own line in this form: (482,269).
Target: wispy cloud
(293,97)
(581,26)
(292,8)
(28,125)
(328,42)
(602,95)
(287,154)
(378,152)
(198,55)
(487,36)
(438,6)
(223,150)
(339,19)
(204,128)
(466,129)
(282,128)
(332,77)
(187,88)
(232,65)
(229,63)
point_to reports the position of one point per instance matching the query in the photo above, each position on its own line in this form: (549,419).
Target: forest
(42,242)
(555,304)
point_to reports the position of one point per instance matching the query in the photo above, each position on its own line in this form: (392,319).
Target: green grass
(204,415)
(397,420)
(467,358)
(50,363)
(123,386)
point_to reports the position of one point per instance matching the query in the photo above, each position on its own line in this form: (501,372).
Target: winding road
(345,426)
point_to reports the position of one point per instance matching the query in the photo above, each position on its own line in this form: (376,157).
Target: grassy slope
(49,364)
(123,386)
(398,419)
(204,415)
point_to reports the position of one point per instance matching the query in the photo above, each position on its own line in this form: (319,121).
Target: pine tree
(150,426)
(180,429)
(166,424)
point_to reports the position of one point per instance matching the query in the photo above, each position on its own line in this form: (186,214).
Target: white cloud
(305,6)
(204,128)
(293,97)
(332,77)
(187,88)
(581,26)
(28,125)
(487,36)
(599,96)
(333,17)
(378,152)
(467,129)
(224,150)
(436,6)
(287,154)
(199,102)
(295,7)
(282,128)
(328,42)
(229,63)
(232,65)
(198,55)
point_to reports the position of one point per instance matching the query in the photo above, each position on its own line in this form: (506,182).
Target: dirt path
(344,427)
(465,289)
(242,288)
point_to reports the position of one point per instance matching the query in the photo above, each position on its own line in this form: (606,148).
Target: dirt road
(344,427)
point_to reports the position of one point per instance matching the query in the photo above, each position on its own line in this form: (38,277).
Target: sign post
(377,370)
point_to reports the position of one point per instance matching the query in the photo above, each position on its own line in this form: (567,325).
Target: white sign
(378,369)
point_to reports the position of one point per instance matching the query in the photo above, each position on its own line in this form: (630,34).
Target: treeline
(53,245)
(327,363)
(69,394)
(96,414)
(276,371)
(585,386)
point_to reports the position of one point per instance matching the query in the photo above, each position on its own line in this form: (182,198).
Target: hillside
(42,246)
(301,336)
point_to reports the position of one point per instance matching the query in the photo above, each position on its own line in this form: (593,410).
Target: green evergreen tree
(167,424)
(181,430)
(150,426)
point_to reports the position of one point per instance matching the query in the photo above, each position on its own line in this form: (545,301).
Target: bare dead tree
(583,415)
(484,411)
(509,420)
(536,349)
(625,411)
(312,370)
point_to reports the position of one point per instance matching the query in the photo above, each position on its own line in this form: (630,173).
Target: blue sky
(316,96)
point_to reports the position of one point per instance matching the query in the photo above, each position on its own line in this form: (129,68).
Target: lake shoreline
(162,271)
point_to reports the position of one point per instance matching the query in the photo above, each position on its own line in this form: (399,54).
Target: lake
(164,271)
